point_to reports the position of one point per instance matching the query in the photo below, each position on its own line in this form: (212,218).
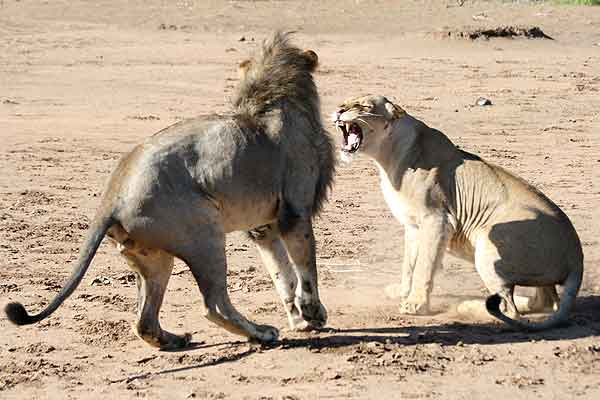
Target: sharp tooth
(348,127)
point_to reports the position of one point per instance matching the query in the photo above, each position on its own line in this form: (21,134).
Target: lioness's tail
(17,314)
(571,285)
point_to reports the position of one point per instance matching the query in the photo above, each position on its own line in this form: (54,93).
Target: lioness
(265,168)
(448,199)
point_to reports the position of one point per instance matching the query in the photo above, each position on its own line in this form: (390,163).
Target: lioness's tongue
(352,140)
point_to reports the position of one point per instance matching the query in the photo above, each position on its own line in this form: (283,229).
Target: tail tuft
(493,303)
(17,314)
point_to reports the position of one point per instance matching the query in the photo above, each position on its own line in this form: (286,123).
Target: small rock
(100,281)
(482,101)
(145,359)
(334,375)
(242,39)
(126,278)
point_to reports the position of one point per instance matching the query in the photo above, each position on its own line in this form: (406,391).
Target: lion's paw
(310,316)
(298,324)
(266,334)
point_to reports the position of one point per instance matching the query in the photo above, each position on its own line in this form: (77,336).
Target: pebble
(482,101)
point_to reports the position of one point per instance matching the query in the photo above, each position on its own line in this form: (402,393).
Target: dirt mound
(106,333)
(534,32)
(31,370)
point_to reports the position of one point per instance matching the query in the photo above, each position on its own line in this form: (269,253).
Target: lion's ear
(312,59)
(393,111)
(243,68)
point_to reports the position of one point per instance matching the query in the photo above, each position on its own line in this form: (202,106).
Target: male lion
(266,168)
(452,200)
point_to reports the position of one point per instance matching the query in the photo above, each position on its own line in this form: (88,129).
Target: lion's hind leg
(205,256)
(153,268)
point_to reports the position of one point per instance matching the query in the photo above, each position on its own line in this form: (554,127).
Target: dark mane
(280,76)
(280,71)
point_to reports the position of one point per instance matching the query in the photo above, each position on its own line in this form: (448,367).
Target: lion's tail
(567,302)
(17,314)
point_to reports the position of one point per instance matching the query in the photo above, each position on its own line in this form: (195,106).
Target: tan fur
(266,168)
(243,68)
(451,200)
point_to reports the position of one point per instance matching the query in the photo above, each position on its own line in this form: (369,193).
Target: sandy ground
(82,81)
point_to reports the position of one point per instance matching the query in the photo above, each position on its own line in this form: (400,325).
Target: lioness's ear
(243,68)
(312,59)
(393,111)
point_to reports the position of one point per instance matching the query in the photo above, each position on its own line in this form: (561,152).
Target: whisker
(364,122)
(368,114)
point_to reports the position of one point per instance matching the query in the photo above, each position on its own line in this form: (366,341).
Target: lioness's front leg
(300,243)
(402,290)
(276,259)
(432,240)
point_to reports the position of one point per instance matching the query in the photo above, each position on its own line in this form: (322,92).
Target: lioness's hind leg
(545,300)
(487,263)
(153,268)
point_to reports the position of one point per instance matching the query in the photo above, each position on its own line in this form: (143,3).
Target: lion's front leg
(432,240)
(276,259)
(300,243)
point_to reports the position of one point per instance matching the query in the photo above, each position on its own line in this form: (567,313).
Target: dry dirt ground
(82,81)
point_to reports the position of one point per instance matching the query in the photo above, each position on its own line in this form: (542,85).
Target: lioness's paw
(414,307)
(266,334)
(396,291)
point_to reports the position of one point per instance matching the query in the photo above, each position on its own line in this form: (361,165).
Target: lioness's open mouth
(353,136)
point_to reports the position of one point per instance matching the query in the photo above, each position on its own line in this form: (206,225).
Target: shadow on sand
(584,322)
